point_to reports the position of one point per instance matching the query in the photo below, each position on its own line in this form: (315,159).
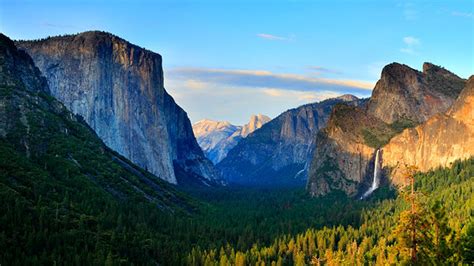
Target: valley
(244,153)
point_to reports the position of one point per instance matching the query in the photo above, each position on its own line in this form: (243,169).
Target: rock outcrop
(402,98)
(277,153)
(403,93)
(53,152)
(118,88)
(438,142)
(216,138)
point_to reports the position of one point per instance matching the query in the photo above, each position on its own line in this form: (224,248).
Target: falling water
(375,181)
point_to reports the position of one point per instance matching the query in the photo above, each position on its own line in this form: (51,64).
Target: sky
(226,60)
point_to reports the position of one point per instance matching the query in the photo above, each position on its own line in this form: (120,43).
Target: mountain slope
(60,186)
(402,98)
(438,142)
(118,88)
(216,138)
(277,152)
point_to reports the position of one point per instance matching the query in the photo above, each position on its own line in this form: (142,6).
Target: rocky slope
(48,152)
(438,142)
(402,98)
(216,138)
(277,153)
(118,88)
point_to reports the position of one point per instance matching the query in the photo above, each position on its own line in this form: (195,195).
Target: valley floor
(244,226)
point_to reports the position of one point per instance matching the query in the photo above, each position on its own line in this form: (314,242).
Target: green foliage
(467,244)
(376,139)
(441,238)
(67,199)
(401,124)
(379,137)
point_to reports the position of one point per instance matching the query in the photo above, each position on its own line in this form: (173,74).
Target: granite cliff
(216,138)
(403,93)
(402,98)
(441,140)
(49,153)
(277,153)
(118,88)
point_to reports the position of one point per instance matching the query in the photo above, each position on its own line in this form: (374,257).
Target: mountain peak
(397,70)
(431,70)
(256,122)
(405,93)
(347,97)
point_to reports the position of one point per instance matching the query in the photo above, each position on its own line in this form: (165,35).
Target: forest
(78,225)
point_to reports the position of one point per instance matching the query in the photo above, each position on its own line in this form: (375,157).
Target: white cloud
(462,14)
(408,51)
(410,41)
(259,79)
(320,70)
(411,45)
(409,11)
(195,84)
(236,102)
(272,37)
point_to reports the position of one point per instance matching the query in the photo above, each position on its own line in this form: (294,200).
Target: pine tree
(411,230)
(441,235)
(467,244)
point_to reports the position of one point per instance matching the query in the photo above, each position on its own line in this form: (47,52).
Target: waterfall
(375,181)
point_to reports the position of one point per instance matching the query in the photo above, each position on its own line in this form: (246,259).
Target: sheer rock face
(118,88)
(256,122)
(39,129)
(344,156)
(438,142)
(405,93)
(277,152)
(341,157)
(216,138)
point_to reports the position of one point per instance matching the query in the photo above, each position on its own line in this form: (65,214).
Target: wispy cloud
(409,11)
(462,14)
(272,37)
(320,70)
(46,24)
(411,41)
(411,45)
(266,79)
(218,93)
(236,103)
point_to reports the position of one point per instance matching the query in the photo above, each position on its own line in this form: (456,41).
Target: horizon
(223,64)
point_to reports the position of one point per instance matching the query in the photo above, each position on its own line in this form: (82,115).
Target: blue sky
(226,60)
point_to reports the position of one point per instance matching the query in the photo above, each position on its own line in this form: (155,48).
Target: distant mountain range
(276,154)
(216,138)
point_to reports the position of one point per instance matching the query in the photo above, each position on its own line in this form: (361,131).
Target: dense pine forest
(235,226)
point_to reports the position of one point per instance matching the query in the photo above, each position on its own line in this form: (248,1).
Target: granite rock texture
(438,142)
(118,88)
(402,98)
